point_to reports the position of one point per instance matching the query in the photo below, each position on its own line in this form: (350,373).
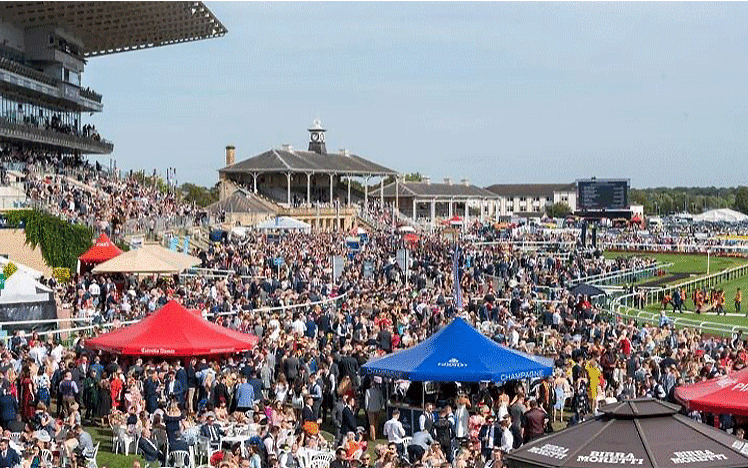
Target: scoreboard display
(602,194)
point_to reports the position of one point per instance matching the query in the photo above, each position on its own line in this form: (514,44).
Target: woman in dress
(27,395)
(115,390)
(104,407)
(563,390)
(281,389)
(42,382)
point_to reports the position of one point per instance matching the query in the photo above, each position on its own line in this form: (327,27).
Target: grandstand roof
(111,27)
(435,190)
(530,190)
(237,202)
(289,160)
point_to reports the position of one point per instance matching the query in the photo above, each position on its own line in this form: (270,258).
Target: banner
(173,242)
(186,245)
(456,277)
(402,258)
(338,263)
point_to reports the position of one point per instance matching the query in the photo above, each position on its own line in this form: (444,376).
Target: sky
(491,92)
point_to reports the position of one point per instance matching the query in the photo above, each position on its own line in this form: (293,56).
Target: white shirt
(394,431)
(507,440)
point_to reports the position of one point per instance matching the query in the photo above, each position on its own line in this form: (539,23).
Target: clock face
(322,137)
(315,136)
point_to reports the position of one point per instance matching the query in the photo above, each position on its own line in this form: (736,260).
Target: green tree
(558,210)
(201,196)
(741,199)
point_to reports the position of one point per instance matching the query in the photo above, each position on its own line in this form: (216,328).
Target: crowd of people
(316,328)
(90,194)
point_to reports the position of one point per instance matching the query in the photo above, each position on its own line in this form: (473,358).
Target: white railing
(625,276)
(264,310)
(624,306)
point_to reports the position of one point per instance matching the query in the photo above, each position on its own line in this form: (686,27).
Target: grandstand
(44,47)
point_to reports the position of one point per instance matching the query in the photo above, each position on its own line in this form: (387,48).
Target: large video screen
(602,194)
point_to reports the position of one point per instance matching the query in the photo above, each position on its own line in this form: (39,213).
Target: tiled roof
(530,190)
(282,160)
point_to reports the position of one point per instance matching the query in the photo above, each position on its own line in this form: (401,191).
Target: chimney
(465,182)
(448,181)
(230,155)
(287,147)
(345,152)
(427,180)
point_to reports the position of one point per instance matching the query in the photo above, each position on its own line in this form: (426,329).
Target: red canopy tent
(173,331)
(103,250)
(453,221)
(723,395)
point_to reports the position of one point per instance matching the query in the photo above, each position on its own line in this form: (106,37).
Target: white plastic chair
(180,459)
(46,457)
(325,456)
(90,457)
(319,463)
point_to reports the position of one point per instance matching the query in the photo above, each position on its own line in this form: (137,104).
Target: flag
(456,277)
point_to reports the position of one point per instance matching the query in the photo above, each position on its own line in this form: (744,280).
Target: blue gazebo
(459,353)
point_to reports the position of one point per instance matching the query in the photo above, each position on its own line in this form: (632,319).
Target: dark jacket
(349,421)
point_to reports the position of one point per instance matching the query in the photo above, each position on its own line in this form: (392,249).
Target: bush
(9,269)
(60,241)
(61,274)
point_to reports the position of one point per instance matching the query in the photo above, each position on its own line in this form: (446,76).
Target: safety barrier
(631,275)
(624,306)
(59,331)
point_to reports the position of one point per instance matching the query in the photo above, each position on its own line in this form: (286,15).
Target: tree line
(662,201)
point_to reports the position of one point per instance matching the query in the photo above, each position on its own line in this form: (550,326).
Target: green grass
(696,265)
(106,456)
(683,263)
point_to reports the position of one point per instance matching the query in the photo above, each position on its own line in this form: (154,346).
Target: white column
(254,177)
(381,192)
(433,212)
(308,189)
(397,192)
(450,208)
(467,213)
(366,193)
(332,177)
(288,189)
(349,189)
(414,210)
(482,207)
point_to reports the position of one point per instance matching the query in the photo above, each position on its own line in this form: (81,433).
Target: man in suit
(8,407)
(307,413)
(8,457)
(173,388)
(83,367)
(339,462)
(349,420)
(489,436)
(211,430)
(426,419)
(181,375)
(150,389)
(147,447)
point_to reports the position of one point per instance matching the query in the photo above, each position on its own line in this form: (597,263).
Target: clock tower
(317,138)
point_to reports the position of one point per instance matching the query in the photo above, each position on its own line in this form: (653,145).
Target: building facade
(532,199)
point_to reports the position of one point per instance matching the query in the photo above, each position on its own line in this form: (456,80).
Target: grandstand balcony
(50,138)
(32,83)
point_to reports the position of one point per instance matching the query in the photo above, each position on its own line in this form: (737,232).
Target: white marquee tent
(723,215)
(283,223)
